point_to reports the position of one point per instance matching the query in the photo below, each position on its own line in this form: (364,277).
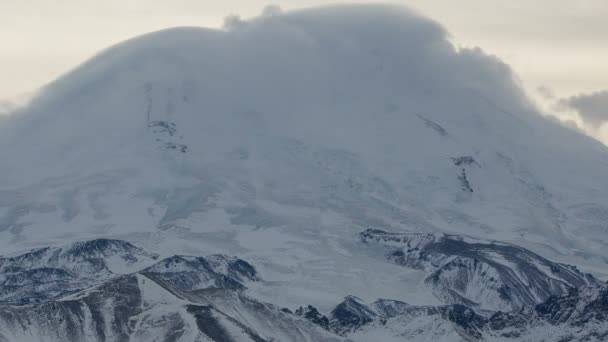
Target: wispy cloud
(592,108)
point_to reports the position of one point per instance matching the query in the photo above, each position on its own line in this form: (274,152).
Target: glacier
(279,140)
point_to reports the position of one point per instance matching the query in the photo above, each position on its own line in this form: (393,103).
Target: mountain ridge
(168,301)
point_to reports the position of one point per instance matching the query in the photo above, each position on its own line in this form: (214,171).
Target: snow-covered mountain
(580,315)
(135,308)
(278,140)
(180,298)
(53,272)
(194,298)
(488,275)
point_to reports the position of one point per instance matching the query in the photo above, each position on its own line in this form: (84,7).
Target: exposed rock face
(165,133)
(488,275)
(465,161)
(350,314)
(312,314)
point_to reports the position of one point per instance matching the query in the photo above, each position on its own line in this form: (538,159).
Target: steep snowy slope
(279,139)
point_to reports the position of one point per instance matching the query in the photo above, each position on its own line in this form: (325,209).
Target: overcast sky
(560,45)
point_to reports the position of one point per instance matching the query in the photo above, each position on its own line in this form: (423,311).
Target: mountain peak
(281,138)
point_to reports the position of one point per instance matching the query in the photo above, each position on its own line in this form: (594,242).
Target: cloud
(9,106)
(4,107)
(592,108)
(545,92)
(585,113)
(568,122)
(328,73)
(332,52)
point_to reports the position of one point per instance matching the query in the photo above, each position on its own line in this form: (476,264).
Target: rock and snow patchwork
(51,272)
(580,315)
(190,298)
(488,275)
(181,298)
(266,319)
(54,272)
(128,308)
(350,314)
(196,273)
(391,320)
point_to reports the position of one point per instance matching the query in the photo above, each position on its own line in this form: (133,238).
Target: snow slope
(279,139)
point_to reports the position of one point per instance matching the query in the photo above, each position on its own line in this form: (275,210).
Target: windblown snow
(279,139)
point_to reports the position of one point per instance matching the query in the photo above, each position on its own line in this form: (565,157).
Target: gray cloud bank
(592,108)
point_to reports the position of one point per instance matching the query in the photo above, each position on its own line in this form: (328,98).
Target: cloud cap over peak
(320,55)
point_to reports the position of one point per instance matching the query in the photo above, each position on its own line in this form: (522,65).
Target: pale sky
(561,45)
